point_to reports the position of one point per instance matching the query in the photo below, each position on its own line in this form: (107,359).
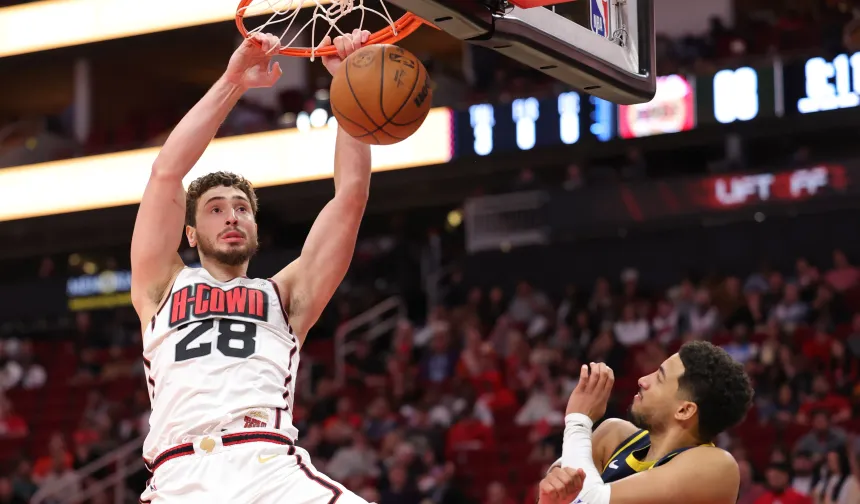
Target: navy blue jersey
(627,459)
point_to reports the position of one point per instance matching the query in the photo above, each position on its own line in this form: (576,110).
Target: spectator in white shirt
(704,315)
(357,459)
(803,473)
(631,330)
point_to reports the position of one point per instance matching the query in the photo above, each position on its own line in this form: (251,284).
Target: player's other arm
(161,215)
(605,440)
(309,282)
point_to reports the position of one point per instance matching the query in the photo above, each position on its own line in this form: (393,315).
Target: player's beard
(638,419)
(233,256)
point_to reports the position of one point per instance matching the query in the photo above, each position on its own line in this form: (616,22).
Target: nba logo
(600,17)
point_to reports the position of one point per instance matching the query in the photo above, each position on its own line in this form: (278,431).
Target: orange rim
(404,26)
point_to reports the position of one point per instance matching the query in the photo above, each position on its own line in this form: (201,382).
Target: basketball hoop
(285,12)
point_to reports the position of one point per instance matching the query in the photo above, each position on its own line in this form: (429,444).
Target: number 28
(229,330)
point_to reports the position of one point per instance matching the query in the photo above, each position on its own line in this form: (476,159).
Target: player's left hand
(345,45)
(560,486)
(249,67)
(592,392)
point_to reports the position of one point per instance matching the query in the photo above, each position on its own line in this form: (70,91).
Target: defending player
(220,349)
(666,455)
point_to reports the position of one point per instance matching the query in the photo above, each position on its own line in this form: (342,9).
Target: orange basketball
(381,94)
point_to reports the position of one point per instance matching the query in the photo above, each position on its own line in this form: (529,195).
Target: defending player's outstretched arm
(161,215)
(309,282)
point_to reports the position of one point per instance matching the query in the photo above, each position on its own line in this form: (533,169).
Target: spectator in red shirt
(469,364)
(12,425)
(56,451)
(838,407)
(778,490)
(468,434)
(817,349)
(843,276)
(491,387)
(842,370)
(342,425)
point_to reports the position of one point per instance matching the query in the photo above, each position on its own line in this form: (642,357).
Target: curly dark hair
(717,384)
(206,182)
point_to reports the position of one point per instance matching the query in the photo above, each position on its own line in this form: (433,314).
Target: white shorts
(242,472)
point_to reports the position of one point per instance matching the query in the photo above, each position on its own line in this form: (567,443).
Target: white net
(284,19)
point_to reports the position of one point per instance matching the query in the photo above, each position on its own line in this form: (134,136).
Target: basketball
(381,94)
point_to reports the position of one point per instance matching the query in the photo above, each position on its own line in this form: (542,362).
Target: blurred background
(528,229)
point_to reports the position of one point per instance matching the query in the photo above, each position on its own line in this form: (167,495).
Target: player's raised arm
(309,282)
(160,218)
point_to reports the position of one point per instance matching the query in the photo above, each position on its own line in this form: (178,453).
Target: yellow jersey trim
(636,464)
(636,438)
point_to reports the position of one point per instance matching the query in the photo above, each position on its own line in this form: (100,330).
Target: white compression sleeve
(576,453)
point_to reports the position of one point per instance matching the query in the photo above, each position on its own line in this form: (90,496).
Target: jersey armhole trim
(624,445)
(166,296)
(281,304)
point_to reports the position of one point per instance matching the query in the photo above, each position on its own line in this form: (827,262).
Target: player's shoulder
(148,304)
(609,436)
(718,459)
(615,429)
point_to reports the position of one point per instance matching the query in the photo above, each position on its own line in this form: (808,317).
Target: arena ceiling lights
(267,159)
(50,24)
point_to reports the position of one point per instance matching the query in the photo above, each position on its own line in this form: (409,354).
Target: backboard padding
(555,45)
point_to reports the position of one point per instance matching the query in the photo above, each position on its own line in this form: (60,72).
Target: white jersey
(218,355)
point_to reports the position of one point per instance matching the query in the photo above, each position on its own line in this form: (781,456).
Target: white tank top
(218,355)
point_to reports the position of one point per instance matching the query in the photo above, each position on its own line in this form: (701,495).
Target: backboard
(601,47)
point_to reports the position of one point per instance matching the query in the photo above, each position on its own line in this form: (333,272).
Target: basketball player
(666,454)
(221,350)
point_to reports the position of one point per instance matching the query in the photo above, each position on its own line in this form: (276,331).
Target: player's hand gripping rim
(345,45)
(250,67)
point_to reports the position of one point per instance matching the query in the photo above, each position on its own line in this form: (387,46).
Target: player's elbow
(164,170)
(353,197)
